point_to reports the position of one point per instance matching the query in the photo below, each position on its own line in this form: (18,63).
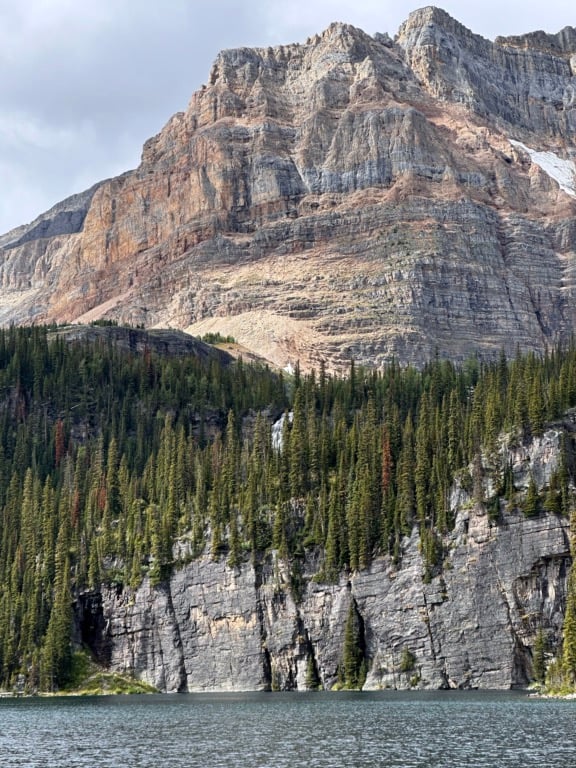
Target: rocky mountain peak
(432,21)
(563,42)
(520,83)
(252,77)
(348,196)
(345,39)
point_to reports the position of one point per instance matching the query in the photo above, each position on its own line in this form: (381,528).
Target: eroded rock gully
(351,196)
(474,624)
(212,628)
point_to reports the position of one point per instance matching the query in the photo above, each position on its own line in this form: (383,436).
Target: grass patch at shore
(88,679)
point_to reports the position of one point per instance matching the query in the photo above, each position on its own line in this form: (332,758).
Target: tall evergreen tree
(353,658)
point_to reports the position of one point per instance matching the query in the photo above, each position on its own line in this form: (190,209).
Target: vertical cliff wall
(210,627)
(350,196)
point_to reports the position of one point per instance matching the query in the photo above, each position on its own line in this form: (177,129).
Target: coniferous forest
(110,457)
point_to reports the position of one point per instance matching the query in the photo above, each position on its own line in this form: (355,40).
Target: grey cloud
(84,84)
(102,81)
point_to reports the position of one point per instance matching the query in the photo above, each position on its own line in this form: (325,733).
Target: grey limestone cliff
(523,83)
(210,627)
(65,218)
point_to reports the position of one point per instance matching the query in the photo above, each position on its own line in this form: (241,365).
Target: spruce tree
(569,629)
(569,632)
(406,495)
(539,657)
(312,676)
(532,501)
(353,658)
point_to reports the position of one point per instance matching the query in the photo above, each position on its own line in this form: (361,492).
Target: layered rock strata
(352,196)
(474,624)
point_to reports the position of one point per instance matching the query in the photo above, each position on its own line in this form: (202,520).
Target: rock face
(523,83)
(352,196)
(161,341)
(474,625)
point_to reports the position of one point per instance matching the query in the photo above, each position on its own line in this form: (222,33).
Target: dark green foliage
(217,338)
(493,506)
(539,657)
(407,661)
(115,466)
(553,499)
(531,505)
(106,458)
(103,323)
(312,676)
(569,633)
(569,629)
(354,667)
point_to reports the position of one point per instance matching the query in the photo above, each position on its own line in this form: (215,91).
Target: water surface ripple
(284,730)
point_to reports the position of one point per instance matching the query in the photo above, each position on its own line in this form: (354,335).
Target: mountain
(348,197)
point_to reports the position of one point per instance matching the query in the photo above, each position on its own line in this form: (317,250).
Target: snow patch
(562,171)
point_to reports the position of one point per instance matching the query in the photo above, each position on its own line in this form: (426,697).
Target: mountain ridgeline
(121,467)
(392,221)
(352,196)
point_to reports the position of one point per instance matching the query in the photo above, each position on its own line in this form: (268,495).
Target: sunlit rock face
(348,197)
(474,624)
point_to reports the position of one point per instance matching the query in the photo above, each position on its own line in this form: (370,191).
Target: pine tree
(331,546)
(569,632)
(234,555)
(553,499)
(536,405)
(57,651)
(279,534)
(423,463)
(569,629)
(298,461)
(312,677)
(532,501)
(406,495)
(353,659)
(539,657)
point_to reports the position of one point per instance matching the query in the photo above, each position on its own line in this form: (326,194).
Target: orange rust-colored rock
(350,197)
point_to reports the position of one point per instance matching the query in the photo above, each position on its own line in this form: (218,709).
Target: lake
(277,730)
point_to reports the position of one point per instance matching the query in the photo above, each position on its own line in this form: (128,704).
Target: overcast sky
(83,83)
